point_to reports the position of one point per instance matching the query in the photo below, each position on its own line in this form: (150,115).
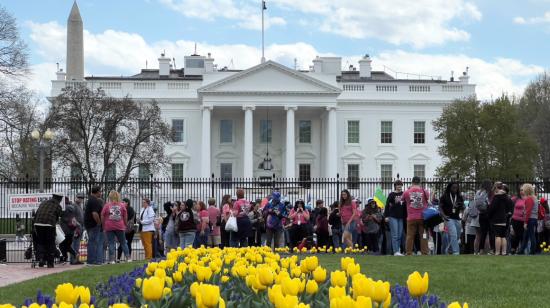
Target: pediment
(354,156)
(270,77)
(178,156)
(305,155)
(386,156)
(226,155)
(419,156)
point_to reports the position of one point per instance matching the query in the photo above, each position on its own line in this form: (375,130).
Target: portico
(264,107)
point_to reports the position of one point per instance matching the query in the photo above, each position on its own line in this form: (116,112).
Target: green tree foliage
(480,140)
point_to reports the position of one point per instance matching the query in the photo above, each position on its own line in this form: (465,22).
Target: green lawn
(482,281)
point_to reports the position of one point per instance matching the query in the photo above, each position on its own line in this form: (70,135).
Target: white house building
(316,123)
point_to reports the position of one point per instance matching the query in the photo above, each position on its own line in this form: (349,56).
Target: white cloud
(120,53)
(247,15)
(544,19)
(418,23)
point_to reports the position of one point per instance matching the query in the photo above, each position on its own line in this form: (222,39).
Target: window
(304,174)
(419,171)
(353,131)
(226,131)
(177,176)
(144,172)
(177,130)
(265,131)
(110,173)
(194,63)
(419,132)
(353,176)
(144,129)
(305,131)
(226,172)
(386,132)
(386,175)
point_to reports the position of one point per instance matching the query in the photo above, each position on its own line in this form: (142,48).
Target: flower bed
(247,277)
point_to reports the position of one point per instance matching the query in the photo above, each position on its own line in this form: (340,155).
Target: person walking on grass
(115,217)
(451,204)
(416,200)
(394,211)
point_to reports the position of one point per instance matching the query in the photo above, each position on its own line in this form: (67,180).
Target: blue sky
(505,43)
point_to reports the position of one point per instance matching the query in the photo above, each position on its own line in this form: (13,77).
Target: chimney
(209,64)
(164,65)
(328,65)
(75,45)
(465,77)
(318,65)
(60,74)
(365,67)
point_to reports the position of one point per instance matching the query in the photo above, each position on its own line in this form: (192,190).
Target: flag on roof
(380,197)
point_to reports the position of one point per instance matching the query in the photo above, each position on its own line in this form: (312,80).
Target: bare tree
(13,50)
(19,116)
(104,138)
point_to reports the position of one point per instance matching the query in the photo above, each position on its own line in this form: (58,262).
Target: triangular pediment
(270,77)
(354,156)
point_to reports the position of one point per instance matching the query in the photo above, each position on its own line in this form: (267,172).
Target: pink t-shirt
(213,213)
(114,216)
(417,200)
(241,208)
(519,210)
(299,218)
(346,211)
(202,215)
(226,210)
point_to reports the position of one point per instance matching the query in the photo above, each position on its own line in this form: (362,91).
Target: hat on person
(80,195)
(276,196)
(370,200)
(57,197)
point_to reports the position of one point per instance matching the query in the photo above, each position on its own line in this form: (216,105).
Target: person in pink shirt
(227,206)
(214,218)
(300,218)
(203,228)
(241,207)
(350,217)
(416,200)
(115,216)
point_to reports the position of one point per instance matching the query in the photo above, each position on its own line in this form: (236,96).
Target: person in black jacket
(394,213)
(451,203)
(45,219)
(497,212)
(336,225)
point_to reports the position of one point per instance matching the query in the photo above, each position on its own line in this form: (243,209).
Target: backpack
(480,204)
(541,213)
(130,225)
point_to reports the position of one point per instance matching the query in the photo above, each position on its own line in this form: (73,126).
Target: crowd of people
(413,221)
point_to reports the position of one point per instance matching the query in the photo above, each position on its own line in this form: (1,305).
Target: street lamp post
(43,142)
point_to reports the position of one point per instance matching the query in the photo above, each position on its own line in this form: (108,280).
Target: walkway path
(17,272)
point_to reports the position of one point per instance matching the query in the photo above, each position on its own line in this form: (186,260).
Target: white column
(205,146)
(331,163)
(248,157)
(290,159)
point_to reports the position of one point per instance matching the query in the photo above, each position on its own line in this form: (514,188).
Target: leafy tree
(534,115)
(484,140)
(96,134)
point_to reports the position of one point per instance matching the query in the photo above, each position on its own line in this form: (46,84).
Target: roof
(376,76)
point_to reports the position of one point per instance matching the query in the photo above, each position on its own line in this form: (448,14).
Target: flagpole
(263,8)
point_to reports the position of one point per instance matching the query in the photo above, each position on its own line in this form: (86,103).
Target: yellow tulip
(418,285)
(177,276)
(65,293)
(342,302)
(160,273)
(290,286)
(222,303)
(265,275)
(7,306)
(353,269)
(224,279)
(387,302)
(296,272)
(312,263)
(362,286)
(121,305)
(81,306)
(273,292)
(457,305)
(168,281)
(194,288)
(151,267)
(381,291)
(335,292)
(203,273)
(63,305)
(153,288)
(83,294)
(338,279)
(311,287)
(345,262)
(138,282)
(363,302)
(210,295)
(35,305)
(320,274)
(302,305)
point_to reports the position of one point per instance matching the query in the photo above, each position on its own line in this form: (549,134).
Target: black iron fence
(162,190)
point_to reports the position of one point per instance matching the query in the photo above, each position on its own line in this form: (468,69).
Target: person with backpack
(274,212)
(371,219)
(130,228)
(530,220)
(416,200)
(481,203)
(335,223)
(115,217)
